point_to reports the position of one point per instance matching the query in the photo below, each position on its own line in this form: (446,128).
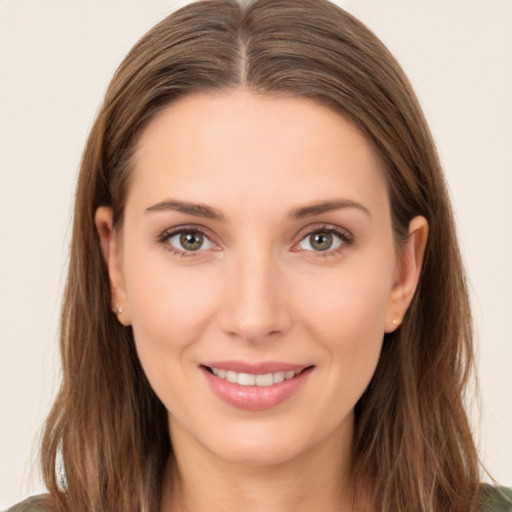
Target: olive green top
(33,504)
(496,500)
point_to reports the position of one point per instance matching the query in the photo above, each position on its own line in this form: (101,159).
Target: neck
(196,480)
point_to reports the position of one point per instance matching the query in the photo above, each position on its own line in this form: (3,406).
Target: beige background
(56,58)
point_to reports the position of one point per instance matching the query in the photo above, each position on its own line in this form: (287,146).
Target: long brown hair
(106,440)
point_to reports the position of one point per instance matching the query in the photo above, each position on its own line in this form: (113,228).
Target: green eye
(323,240)
(191,241)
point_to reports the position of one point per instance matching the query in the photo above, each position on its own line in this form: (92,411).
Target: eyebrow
(326,206)
(205,211)
(195,209)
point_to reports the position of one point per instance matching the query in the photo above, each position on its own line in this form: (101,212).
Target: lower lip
(255,398)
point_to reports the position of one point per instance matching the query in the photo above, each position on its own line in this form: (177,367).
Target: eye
(186,242)
(326,240)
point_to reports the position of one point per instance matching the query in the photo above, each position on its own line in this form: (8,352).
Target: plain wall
(56,58)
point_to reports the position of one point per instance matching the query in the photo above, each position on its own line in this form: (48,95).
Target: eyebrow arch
(326,206)
(202,210)
(196,209)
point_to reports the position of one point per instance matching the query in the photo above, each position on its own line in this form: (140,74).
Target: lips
(255,387)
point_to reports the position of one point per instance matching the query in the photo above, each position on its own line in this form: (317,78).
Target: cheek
(169,309)
(164,297)
(351,304)
(171,304)
(346,315)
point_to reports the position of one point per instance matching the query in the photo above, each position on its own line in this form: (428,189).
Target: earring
(118,310)
(397,321)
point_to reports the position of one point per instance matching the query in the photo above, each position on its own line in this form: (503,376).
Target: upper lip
(255,368)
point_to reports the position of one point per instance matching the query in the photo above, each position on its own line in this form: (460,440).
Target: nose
(255,308)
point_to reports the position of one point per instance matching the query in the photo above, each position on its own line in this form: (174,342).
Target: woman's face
(258,269)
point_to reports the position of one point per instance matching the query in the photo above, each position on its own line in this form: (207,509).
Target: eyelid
(164,237)
(344,234)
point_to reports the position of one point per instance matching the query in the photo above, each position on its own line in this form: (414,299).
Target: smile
(255,387)
(250,379)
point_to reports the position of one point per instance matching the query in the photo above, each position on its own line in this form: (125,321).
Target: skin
(259,290)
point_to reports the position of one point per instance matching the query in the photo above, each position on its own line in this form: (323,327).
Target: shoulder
(496,499)
(32,504)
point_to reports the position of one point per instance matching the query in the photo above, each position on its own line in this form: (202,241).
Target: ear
(110,247)
(407,274)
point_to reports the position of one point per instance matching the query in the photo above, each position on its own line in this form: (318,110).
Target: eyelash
(345,237)
(168,234)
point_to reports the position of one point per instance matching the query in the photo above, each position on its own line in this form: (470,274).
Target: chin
(261,443)
(258,454)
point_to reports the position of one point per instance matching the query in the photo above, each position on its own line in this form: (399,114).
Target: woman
(265,304)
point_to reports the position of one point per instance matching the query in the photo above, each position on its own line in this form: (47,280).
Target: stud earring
(118,310)
(397,321)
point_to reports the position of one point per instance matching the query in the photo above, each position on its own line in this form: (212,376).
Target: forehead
(211,147)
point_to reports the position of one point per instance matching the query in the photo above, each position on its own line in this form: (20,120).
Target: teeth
(249,379)
(232,377)
(246,379)
(279,377)
(265,380)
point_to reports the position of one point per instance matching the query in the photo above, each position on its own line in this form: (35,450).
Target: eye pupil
(321,241)
(191,241)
